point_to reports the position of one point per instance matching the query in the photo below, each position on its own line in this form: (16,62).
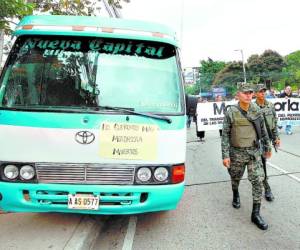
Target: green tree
(229,76)
(66,7)
(254,63)
(266,68)
(207,72)
(10,10)
(190,90)
(117,3)
(74,7)
(292,69)
(13,9)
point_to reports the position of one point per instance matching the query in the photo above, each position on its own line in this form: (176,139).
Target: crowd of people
(269,94)
(286,92)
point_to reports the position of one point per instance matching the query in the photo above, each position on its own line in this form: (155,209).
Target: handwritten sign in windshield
(128,141)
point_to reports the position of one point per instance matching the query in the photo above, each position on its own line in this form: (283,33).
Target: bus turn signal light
(178,174)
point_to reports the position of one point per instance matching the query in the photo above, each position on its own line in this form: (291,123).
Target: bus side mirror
(191,105)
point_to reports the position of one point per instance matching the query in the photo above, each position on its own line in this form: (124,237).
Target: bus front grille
(84,173)
(59,198)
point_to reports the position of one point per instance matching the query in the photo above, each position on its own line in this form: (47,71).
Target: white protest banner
(287,110)
(210,114)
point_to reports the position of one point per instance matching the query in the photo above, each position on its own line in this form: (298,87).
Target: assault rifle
(256,122)
(270,134)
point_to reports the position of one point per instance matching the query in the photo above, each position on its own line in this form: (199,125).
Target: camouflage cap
(244,87)
(260,86)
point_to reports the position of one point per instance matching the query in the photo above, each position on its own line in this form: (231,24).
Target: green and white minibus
(92,117)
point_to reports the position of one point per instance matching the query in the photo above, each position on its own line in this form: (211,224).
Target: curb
(86,232)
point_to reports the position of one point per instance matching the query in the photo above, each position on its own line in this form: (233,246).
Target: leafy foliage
(230,76)
(73,7)
(268,68)
(190,89)
(117,3)
(265,68)
(254,63)
(66,7)
(10,9)
(207,71)
(292,69)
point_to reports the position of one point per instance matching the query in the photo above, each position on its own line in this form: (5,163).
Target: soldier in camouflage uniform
(270,119)
(241,148)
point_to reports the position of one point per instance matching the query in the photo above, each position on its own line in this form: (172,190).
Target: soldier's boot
(257,219)
(236,203)
(268,193)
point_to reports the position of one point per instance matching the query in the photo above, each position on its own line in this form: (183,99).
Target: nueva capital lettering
(129,48)
(32,43)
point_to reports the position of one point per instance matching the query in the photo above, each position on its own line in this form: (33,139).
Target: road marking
(284,172)
(85,233)
(128,240)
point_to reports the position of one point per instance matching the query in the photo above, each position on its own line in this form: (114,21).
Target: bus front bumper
(114,199)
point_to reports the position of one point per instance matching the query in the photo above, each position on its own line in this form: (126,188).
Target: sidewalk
(48,231)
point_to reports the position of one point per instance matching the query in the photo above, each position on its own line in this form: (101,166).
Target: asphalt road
(204,218)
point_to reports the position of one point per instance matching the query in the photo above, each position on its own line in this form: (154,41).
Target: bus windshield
(58,72)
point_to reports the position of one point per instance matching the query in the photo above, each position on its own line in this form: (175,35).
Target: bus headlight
(27,172)
(161,174)
(11,172)
(144,174)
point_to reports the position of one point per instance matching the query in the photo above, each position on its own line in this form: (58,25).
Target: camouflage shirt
(268,110)
(253,111)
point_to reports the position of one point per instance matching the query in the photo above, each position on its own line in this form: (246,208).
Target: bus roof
(95,27)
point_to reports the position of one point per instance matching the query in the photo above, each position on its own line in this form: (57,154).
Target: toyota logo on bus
(84,137)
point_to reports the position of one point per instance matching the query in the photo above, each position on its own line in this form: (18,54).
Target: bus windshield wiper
(132,111)
(83,109)
(34,108)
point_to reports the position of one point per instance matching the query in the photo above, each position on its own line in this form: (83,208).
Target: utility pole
(244,69)
(181,24)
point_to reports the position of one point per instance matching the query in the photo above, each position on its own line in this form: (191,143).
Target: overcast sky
(215,28)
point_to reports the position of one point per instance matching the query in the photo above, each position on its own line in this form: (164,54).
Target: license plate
(81,201)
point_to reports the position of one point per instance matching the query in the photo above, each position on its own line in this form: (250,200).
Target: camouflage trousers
(265,181)
(240,158)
